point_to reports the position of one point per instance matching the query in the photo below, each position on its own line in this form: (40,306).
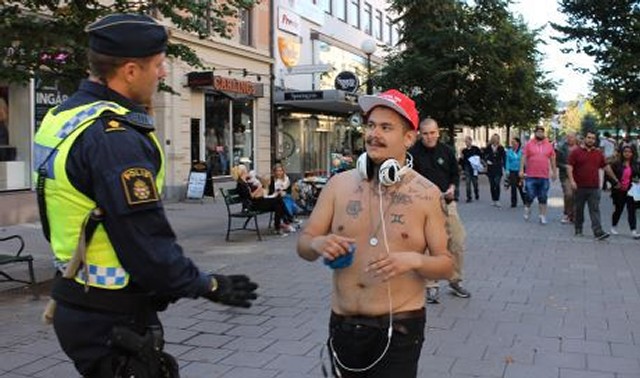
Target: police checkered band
(104,276)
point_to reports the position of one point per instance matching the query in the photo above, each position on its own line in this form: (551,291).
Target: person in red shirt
(583,170)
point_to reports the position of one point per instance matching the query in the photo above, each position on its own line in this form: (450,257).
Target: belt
(114,301)
(380,321)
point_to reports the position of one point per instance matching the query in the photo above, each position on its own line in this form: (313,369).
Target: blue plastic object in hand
(342,261)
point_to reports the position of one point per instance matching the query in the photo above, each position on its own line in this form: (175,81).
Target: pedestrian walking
(494,157)
(608,147)
(539,158)
(471,162)
(583,169)
(437,162)
(512,166)
(563,151)
(100,174)
(381,227)
(627,171)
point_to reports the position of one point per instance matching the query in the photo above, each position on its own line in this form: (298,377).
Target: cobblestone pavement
(544,304)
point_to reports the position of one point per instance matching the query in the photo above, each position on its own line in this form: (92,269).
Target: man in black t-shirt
(470,172)
(437,162)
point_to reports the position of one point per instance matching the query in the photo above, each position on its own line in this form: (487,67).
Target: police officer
(100,172)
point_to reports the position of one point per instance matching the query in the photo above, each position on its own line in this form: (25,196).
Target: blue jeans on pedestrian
(537,187)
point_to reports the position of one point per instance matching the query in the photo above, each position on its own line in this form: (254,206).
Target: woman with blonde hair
(280,186)
(253,198)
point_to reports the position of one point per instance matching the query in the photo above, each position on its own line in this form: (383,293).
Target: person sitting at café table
(253,198)
(280,186)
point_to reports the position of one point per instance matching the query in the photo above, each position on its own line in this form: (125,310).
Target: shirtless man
(393,227)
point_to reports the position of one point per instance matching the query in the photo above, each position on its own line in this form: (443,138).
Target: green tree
(47,37)
(579,116)
(468,64)
(607,31)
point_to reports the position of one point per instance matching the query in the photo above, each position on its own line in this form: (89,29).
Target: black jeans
(275,204)
(471,179)
(358,341)
(620,200)
(590,196)
(516,186)
(495,179)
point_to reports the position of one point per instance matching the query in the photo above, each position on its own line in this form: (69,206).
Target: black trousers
(358,341)
(516,187)
(495,179)
(85,335)
(620,200)
(275,204)
(590,197)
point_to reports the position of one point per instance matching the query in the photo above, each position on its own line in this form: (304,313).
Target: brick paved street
(544,304)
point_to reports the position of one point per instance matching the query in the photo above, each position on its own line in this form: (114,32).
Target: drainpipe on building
(272,92)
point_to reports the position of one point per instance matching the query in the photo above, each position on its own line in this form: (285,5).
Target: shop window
(15,138)
(228,133)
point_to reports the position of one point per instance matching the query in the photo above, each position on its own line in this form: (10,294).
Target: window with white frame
(328,6)
(388,31)
(367,22)
(354,13)
(245,31)
(378,25)
(341,9)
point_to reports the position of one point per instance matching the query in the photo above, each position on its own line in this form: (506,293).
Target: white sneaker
(527,213)
(615,232)
(635,234)
(543,219)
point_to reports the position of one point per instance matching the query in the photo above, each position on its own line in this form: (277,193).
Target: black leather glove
(234,290)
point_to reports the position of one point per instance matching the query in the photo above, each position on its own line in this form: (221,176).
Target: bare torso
(356,214)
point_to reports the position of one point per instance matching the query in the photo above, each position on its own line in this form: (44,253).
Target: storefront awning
(331,101)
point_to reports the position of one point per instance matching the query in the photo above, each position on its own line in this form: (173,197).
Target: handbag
(634,191)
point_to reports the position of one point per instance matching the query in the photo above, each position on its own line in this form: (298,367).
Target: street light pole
(369,47)
(369,86)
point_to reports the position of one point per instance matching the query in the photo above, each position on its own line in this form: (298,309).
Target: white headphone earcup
(390,172)
(361,166)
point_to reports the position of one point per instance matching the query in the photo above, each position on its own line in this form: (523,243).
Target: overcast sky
(538,13)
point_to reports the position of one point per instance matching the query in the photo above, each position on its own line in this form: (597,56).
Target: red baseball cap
(395,100)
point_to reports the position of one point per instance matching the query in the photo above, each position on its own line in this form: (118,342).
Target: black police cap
(127,36)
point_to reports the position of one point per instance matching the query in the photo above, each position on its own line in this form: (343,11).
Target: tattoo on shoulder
(397,218)
(359,189)
(354,208)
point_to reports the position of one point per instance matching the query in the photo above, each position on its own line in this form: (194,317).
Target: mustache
(372,141)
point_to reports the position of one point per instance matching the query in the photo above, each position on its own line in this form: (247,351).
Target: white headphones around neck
(390,172)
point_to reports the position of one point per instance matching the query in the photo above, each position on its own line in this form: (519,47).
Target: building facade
(320,69)
(221,115)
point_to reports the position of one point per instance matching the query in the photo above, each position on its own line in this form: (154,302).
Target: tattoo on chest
(400,199)
(397,218)
(354,208)
(359,189)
